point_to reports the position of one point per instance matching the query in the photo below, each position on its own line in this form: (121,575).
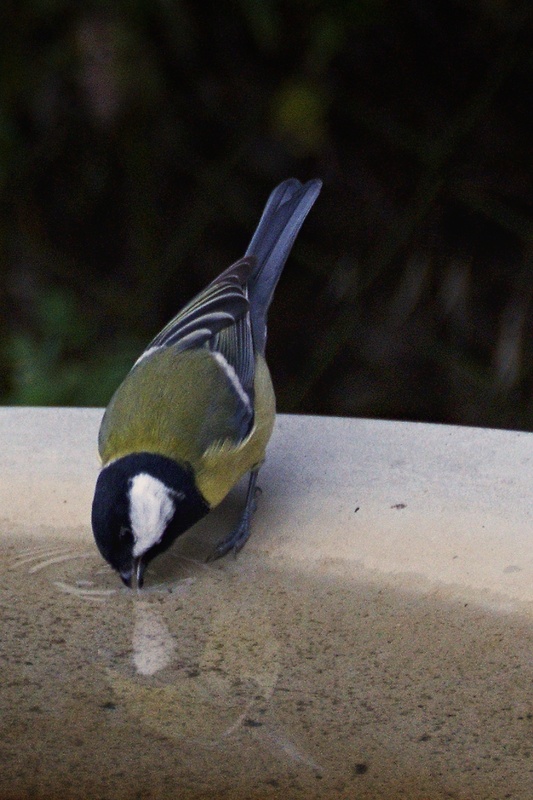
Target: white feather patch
(152,506)
(146,354)
(233,378)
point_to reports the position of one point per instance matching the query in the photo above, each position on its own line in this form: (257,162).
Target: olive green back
(176,404)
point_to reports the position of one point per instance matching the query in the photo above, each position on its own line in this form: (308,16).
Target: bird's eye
(124,532)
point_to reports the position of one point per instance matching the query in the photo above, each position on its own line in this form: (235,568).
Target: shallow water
(241,679)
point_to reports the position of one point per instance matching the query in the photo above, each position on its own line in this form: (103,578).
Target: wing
(219,306)
(218,318)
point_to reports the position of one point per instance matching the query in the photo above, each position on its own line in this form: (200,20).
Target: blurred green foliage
(54,363)
(139,140)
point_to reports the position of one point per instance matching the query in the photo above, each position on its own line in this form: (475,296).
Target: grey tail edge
(282,218)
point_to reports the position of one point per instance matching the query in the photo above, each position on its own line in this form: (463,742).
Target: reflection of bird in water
(153,644)
(210,699)
(226,691)
(237,669)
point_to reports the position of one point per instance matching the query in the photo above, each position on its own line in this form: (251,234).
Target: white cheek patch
(152,506)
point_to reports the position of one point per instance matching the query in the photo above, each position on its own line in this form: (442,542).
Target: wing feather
(219,318)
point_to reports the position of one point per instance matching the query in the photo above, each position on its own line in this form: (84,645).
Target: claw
(240,535)
(235,541)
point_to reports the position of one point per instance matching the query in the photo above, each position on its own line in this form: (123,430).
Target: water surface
(244,679)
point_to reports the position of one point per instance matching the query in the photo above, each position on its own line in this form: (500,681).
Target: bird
(197,409)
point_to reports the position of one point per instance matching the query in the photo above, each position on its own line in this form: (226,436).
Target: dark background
(139,141)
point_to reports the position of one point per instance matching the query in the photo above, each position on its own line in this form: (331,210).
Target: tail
(284,214)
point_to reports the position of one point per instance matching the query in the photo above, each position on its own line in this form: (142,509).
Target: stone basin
(373,640)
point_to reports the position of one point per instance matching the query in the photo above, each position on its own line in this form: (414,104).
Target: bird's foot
(235,541)
(238,537)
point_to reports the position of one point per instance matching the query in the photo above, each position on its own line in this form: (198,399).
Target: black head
(142,503)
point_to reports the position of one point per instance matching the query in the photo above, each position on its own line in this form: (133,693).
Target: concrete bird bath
(373,640)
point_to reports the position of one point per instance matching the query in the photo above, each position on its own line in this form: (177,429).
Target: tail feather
(284,214)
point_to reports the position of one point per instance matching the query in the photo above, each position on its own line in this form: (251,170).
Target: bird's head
(142,502)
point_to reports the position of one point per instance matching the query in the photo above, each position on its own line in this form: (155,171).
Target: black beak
(137,569)
(126,579)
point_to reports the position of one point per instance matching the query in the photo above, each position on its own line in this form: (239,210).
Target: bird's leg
(240,534)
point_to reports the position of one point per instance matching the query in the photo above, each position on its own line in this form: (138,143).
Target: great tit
(197,409)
